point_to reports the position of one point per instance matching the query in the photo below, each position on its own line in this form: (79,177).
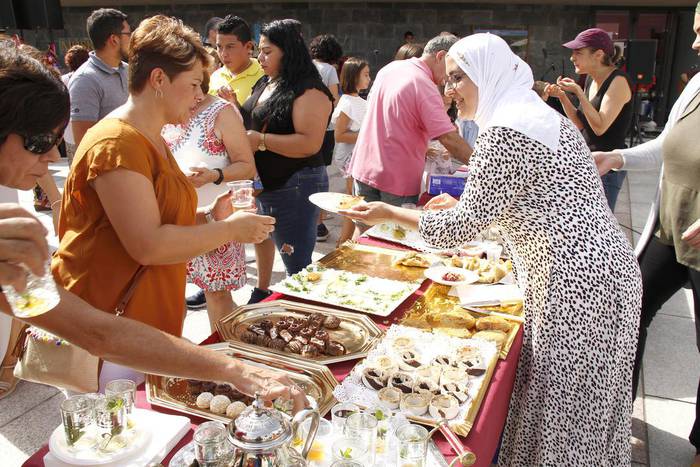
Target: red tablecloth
(483,438)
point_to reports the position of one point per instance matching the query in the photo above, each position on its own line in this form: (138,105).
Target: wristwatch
(261,146)
(220,178)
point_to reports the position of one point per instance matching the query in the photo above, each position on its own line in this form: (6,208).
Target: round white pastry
(402,343)
(431,372)
(414,404)
(204,400)
(444,406)
(219,404)
(408,360)
(390,397)
(385,363)
(234,409)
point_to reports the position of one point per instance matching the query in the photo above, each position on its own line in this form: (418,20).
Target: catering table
(484,436)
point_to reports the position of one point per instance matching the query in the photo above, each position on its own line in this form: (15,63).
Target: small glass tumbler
(242,191)
(78,417)
(412,449)
(363,426)
(112,424)
(346,463)
(40,295)
(210,444)
(351,449)
(340,413)
(125,388)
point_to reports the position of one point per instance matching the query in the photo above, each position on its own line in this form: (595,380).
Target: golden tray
(374,261)
(463,427)
(316,380)
(357,332)
(436,296)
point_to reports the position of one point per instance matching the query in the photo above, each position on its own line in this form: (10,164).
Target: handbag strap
(124,301)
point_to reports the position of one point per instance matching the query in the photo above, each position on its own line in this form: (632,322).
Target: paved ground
(663,416)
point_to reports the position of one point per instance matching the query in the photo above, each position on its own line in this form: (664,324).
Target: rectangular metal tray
(374,261)
(357,332)
(437,296)
(316,380)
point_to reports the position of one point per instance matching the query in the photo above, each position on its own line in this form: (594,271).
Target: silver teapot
(263,437)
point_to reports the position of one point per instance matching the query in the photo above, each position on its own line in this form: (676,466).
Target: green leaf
(346,454)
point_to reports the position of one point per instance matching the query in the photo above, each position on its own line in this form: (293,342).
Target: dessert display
(427,376)
(440,313)
(359,292)
(307,336)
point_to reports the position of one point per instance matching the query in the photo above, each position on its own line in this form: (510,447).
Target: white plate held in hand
(334,202)
(437,273)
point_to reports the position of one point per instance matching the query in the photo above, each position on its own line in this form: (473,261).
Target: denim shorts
(296,217)
(373,194)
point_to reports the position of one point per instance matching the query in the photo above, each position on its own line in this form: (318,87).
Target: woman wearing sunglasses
(34,109)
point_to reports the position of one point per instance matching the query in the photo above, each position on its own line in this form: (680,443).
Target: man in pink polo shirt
(404,112)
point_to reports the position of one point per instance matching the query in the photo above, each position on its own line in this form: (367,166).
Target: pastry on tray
(413,259)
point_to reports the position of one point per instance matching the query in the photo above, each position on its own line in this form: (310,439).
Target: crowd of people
(156,120)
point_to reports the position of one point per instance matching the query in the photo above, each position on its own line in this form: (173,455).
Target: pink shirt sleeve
(433,116)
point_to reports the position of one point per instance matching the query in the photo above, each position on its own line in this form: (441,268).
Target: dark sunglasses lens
(40,144)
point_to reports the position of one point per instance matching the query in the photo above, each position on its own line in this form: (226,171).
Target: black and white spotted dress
(572,402)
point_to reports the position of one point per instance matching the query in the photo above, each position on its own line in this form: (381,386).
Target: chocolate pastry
(318,343)
(208,386)
(316,319)
(194,387)
(249,337)
(409,360)
(444,360)
(307,332)
(309,351)
(401,381)
(323,335)
(335,348)
(476,371)
(222,389)
(256,329)
(302,339)
(294,347)
(374,378)
(282,324)
(294,328)
(331,322)
(273,332)
(263,341)
(286,335)
(278,344)
(236,395)
(265,324)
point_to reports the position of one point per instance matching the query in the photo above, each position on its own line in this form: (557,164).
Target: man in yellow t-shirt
(240,72)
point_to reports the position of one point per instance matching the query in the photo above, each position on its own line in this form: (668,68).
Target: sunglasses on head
(42,143)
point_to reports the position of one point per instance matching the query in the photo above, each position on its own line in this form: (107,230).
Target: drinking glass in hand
(78,417)
(242,195)
(40,296)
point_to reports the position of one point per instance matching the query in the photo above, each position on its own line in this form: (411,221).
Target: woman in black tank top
(604,113)
(286,117)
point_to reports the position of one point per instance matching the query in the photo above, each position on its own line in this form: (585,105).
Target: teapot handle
(296,424)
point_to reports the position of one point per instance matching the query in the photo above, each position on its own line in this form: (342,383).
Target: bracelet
(220,178)
(55,203)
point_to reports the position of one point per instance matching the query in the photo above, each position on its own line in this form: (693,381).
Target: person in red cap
(605,109)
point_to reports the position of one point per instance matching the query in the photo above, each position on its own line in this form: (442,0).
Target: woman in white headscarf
(532,177)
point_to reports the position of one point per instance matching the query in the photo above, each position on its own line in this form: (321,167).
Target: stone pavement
(663,416)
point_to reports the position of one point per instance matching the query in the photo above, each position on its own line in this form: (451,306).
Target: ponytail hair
(615,58)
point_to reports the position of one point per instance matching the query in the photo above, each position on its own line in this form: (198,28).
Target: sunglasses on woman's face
(41,144)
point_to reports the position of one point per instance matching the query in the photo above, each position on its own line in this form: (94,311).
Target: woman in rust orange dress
(127,204)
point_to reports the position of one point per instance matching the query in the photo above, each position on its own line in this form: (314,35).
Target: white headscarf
(506,98)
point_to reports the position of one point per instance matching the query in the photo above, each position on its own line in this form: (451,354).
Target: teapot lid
(258,428)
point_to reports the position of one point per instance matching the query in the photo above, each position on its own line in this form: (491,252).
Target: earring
(159,93)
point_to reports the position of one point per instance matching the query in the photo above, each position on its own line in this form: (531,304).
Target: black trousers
(662,277)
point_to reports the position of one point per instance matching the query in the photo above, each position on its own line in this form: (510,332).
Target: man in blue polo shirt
(100,85)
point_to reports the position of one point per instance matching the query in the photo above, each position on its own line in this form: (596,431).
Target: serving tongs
(464,456)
